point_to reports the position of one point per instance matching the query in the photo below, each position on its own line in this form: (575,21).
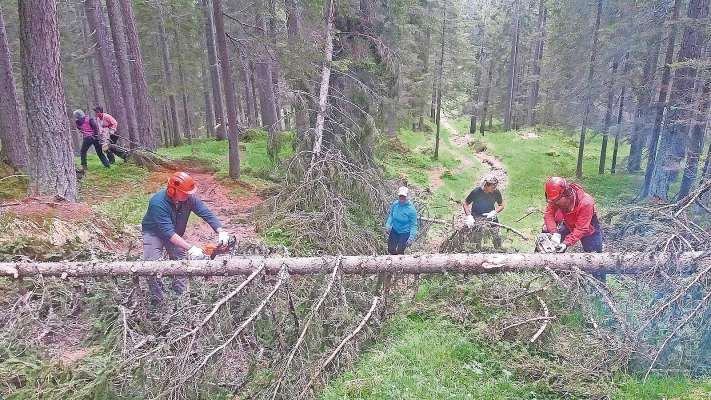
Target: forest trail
(496,167)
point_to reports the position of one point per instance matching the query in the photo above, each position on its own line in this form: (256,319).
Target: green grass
(429,359)
(660,388)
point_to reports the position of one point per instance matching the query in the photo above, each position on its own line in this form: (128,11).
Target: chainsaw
(545,243)
(212,250)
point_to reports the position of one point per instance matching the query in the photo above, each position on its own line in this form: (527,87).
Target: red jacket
(578,220)
(107,121)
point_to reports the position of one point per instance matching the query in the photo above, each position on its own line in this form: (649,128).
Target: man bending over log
(164,225)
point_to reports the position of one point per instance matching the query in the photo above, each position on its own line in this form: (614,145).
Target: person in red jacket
(571,216)
(109,138)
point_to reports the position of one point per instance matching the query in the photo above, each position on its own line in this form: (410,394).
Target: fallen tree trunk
(479,263)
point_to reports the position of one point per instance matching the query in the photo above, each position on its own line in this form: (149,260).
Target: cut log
(609,263)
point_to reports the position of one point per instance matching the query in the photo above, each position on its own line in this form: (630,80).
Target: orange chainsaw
(212,250)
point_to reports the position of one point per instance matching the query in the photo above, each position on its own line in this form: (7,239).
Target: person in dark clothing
(485,202)
(164,225)
(90,134)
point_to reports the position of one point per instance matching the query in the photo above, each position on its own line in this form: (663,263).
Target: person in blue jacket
(401,224)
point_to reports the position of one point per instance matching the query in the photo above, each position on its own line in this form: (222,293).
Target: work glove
(223,238)
(469,221)
(560,248)
(490,215)
(408,243)
(105,148)
(196,253)
(555,237)
(388,228)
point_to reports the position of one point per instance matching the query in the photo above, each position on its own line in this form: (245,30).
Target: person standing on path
(401,224)
(485,202)
(90,133)
(164,225)
(107,135)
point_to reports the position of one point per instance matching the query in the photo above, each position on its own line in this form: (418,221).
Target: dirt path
(496,167)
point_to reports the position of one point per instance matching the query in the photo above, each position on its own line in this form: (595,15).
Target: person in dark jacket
(485,202)
(164,225)
(401,224)
(90,133)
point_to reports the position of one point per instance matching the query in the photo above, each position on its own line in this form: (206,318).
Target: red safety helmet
(181,181)
(556,187)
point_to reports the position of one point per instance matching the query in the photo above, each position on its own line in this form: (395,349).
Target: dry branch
(479,263)
(338,349)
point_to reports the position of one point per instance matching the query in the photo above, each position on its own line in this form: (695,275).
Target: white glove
(560,248)
(223,238)
(195,253)
(555,237)
(490,215)
(469,221)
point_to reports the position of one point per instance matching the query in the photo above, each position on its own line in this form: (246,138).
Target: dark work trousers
(115,149)
(397,242)
(591,243)
(153,247)
(494,230)
(88,142)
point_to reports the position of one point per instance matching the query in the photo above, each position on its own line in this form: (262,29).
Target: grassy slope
(427,356)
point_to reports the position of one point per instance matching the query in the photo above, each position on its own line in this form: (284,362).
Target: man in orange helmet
(164,224)
(571,216)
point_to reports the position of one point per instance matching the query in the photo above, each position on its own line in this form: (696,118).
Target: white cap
(402,191)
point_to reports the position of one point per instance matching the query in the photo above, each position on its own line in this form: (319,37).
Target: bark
(249,95)
(265,86)
(325,78)
(294,22)
(661,102)
(487,93)
(608,118)
(51,161)
(176,139)
(537,57)
(696,142)
(477,86)
(209,111)
(674,135)
(96,90)
(477,263)
(184,95)
(121,50)
(230,96)
(440,73)
(511,79)
(620,111)
(142,99)
(107,68)
(214,68)
(588,100)
(13,128)
(643,113)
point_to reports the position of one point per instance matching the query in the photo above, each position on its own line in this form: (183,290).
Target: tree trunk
(184,97)
(209,111)
(661,102)
(588,100)
(487,93)
(214,71)
(620,111)
(696,142)
(121,50)
(176,138)
(477,86)
(249,94)
(511,80)
(537,57)
(110,75)
(294,22)
(608,118)
(51,161)
(96,90)
(325,79)
(13,127)
(642,123)
(142,101)
(673,136)
(476,263)
(233,128)
(439,81)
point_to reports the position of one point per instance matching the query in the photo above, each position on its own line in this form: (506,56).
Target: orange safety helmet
(181,181)
(556,187)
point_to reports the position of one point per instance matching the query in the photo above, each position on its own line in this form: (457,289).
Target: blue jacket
(403,218)
(165,219)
